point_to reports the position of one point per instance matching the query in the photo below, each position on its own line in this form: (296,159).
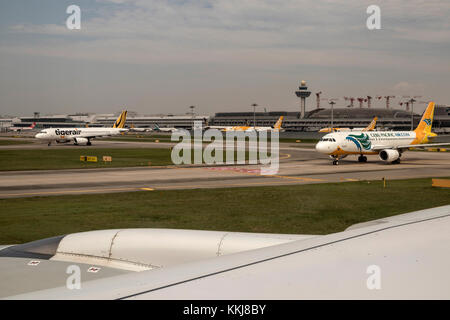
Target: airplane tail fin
(33,125)
(372,125)
(326,130)
(427,119)
(277,125)
(423,130)
(120,122)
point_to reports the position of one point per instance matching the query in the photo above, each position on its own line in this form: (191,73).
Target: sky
(162,56)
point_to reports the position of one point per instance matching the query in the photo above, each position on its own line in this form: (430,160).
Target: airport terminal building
(314,120)
(388,119)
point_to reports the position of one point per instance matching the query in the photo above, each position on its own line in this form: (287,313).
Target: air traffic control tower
(303,93)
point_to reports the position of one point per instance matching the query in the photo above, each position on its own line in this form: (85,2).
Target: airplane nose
(320,147)
(38,136)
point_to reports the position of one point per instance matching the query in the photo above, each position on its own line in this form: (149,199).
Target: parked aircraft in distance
(19,129)
(141,129)
(277,127)
(164,129)
(370,127)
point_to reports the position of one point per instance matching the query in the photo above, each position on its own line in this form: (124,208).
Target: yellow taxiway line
(74,191)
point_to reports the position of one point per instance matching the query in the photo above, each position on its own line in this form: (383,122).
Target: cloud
(405,87)
(242,31)
(259,40)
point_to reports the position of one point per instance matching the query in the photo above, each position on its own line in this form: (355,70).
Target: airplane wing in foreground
(400,257)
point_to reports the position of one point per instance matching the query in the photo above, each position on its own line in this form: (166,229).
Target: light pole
(254,115)
(412,113)
(332,103)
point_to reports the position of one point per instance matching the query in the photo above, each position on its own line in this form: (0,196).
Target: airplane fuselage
(364,142)
(244,128)
(72,134)
(165,130)
(249,129)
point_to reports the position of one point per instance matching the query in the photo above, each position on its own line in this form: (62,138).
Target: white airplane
(276,127)
(164,129)
(370,127)
(19,129)
(82,135)
(135,129)
(389,145)
(398,257)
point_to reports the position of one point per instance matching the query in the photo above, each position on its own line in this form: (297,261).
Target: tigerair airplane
(82,135)
(389,145)
(277,127)
(370,127)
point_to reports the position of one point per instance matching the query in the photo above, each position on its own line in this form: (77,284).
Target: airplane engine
(81,141)
(389,155)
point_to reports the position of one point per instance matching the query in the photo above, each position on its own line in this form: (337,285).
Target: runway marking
(66,191)
(287,156)
(223,185)
(293,180)
(258,172)
(296,178)
(236,169)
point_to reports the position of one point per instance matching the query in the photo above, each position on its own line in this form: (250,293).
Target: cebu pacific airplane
(82,135)
(389,145)
(276,127)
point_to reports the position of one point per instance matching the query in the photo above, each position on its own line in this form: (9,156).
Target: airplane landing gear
(49,144)
(362,158)
(396,161)
(89,143)
(335,159)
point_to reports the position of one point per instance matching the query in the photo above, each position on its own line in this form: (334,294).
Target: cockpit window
(328,139)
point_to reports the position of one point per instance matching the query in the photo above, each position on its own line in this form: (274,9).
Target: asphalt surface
(299,164)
